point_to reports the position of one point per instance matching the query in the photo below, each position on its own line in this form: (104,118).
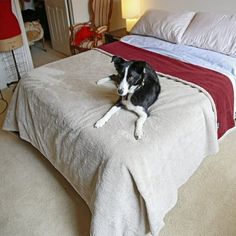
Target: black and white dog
(138,87)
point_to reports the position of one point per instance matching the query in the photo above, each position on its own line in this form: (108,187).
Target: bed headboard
(226,6)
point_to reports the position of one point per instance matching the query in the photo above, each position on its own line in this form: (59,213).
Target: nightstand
(115,35)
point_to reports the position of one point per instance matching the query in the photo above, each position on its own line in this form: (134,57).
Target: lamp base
(130,23)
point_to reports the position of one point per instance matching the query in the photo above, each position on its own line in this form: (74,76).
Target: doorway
(38,32)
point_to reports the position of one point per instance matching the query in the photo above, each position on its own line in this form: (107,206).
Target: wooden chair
(100,14)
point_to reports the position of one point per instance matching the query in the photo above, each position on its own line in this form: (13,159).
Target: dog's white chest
(126,102)
(129,105)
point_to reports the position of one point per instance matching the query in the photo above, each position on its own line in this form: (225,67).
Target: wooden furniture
(115,35)
(100,14)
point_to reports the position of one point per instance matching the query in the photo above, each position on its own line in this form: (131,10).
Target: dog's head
(131,74)
(118,63)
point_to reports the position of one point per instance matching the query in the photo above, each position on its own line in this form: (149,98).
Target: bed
(128,185)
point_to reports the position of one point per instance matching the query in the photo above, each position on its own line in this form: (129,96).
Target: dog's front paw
(102,81)
(138,134)
(99,123)
(98,82)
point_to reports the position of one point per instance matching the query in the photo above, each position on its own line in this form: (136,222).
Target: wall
(224,6)
(83,16)
(116,20)
(80,10)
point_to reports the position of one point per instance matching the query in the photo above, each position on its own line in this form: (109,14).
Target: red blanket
(216,84)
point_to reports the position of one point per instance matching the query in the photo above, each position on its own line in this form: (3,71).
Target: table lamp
(130,12)
(10,33)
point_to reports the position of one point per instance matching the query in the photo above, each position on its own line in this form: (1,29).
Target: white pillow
(216,32)
(165,25)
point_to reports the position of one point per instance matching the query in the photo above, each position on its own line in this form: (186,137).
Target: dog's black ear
(117,59)
(137,71)
(139,66)
(114,58)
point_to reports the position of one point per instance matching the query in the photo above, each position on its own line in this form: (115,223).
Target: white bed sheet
(202,57)
(205,58)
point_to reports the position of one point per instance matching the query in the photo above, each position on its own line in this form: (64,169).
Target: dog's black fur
(118,61)
(138,87)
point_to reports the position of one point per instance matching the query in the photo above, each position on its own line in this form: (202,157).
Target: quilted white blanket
(128,185)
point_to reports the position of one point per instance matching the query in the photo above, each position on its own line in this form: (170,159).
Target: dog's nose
(120,91)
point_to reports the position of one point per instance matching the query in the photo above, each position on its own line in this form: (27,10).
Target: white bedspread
(128,185)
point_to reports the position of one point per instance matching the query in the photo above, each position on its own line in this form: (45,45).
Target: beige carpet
(41,57)
(36,200)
